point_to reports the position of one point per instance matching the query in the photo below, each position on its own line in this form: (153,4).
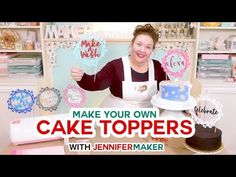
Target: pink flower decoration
(185,62)
(74,96)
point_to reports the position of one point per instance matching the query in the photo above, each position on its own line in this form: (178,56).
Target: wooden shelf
(177,40)
(218,51)
(23,80)
(21,51)
(19,81)
(19,27)
(217,28)
(216,83)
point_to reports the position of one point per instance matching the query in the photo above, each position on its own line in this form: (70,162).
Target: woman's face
(142,48)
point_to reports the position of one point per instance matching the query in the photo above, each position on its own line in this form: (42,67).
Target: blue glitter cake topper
(90,49)
(21,101)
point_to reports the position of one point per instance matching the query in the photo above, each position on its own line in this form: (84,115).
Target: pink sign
(175,62)
(74,96)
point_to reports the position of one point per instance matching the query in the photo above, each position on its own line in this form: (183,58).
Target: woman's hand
(77,73)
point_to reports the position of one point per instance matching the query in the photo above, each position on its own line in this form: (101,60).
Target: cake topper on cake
(207,112)
(175,62)
(174,94)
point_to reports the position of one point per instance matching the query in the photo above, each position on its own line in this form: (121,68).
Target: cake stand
(172,108)
(158,102)
(202,151)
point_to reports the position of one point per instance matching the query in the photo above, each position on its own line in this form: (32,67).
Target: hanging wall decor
(184,46)
(52,46)
(62,36)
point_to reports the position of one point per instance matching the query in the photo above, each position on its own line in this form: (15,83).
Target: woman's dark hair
(146,29)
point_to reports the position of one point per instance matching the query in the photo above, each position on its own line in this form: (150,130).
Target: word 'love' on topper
(74,96)
(48,99)
(175,62)
(207,112)
(90,49)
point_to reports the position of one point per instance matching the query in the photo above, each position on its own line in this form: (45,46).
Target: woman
(133,79)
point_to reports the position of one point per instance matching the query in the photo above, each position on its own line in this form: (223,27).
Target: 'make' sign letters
(64,31)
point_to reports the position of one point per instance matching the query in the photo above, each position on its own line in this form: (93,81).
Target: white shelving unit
(217,51)
(20,27)
(220,89)
(22,33)
(177,40)
(22,51)
(205,34)
(8,84)
(217,28)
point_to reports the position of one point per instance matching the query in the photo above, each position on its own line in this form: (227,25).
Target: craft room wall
(65,60)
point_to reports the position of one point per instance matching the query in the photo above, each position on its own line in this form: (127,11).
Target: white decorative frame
(52,46)
(212,122)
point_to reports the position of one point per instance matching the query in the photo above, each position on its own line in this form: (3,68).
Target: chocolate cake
(208,139)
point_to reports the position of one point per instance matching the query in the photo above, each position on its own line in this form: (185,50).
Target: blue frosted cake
(175,90)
